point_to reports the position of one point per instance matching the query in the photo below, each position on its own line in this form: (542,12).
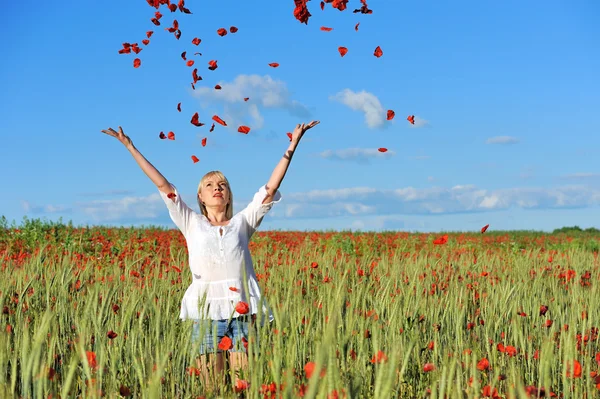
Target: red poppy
(382,149)
(242,307)
(326,29)
(196,41)
(91,358)
(574,369)
(195,159)
(190,63)
(484,228)
(222,32)
(379,357)
(309,369)
(225,343)
(171,136)
(137,62)
(244,129)
(378,52)
(195,120)
(543,310)
(212,65)
(219,120)
(342,50)
(233,29)
(390,114)
(427,367)
(483,364)
(111,334)
(411,119)
(301,11)
(441,240)
(204,142)
(274,64)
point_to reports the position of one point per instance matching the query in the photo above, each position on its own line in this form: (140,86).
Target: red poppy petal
(244,129)
(183,55)
(204,142)
(171,136)
(195,158)
(326,29)
(382,149)
(356,26)
(196,41)
(137,62)
(411,119)
(179,107)
(289,135)
(162,135)
(149,33)
(378,52)
(342,50)
(274,64)
(171,195)
(146,42)
(212,65)
(195,120)
(322,5)
(190,63)
(246,98)
(390,114)
(222,32)
(233,29)
(217,87)
(212,127)
(484,228)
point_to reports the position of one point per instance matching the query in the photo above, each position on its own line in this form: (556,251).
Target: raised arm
(282,167)
(157,178)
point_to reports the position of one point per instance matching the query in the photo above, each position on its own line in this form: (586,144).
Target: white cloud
(365,102)
(263,91)
(30,208)
(360,155)
(581,175)
(502,140)
(419,122)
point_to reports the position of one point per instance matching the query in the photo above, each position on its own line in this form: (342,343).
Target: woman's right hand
(122,137)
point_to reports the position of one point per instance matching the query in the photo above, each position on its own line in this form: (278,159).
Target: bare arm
(157,178)
(282,167)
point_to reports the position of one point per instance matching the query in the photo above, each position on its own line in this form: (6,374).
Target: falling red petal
(289,135)
(179,107)
(137,62)
(197,53)
(246,98)
(193,87)
(222,32)
(195,158)
(326,29)
(190,63)
(195,120)
(196,41)
(219,120)
(322,5)
(155,21)
(195,75)
(212,127)
(204,142)
(301,11)
(244,129)
(149,33)
(171,195)
(183,55)
(382,149)
(356,26)
(212,65)
(484,228)
(342,50)
(173,7)
(145,42)
(274,64)
(378,52)
(162,136)
(171,136)
(157,15)
(390,114)
(233,29)
(217,87)
(177,34)
(411,119)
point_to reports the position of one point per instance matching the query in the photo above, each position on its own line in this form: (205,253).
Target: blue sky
(506,96)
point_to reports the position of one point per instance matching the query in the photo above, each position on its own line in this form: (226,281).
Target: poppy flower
(274,64)
(212,127)
(225,343)
(382,149)
(246,98)
(149,33)
(484,228)
(219,120)
(242,307)
(233,29)
(390,114)
(244,129)
(162,135)
(179,107)
(91,358)
(309,369)
(574,369)
(241,385)
(543,310)
(146,42)
(483,364)
(111,334)
(217,87)
(195,159)
(222,32)
(427,367)
(183,55)
(204,142)
(195,120)
(212,65)
(378,52)
(137,62)
(171,136)
(411,119)
(379,357)
(190,63)
(441,240)
(326,29)
(342,50)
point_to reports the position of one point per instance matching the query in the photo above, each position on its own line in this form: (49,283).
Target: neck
(216,216)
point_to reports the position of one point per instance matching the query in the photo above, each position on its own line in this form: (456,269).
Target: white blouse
(217,262)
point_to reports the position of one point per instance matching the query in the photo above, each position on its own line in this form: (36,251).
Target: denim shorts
(214,330)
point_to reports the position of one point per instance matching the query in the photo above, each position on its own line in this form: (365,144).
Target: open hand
(122,137)
(301,129)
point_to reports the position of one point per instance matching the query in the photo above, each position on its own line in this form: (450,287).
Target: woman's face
(214,192)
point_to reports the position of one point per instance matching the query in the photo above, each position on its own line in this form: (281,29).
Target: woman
(224,295)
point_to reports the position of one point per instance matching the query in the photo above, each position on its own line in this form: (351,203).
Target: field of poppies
(90,312)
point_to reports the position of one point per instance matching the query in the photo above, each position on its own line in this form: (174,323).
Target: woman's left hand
(301,129)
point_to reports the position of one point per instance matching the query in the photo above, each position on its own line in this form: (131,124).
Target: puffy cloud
(502,140)
(363,101)
(360,155)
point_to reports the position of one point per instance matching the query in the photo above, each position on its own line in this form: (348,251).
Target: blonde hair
(219,175)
